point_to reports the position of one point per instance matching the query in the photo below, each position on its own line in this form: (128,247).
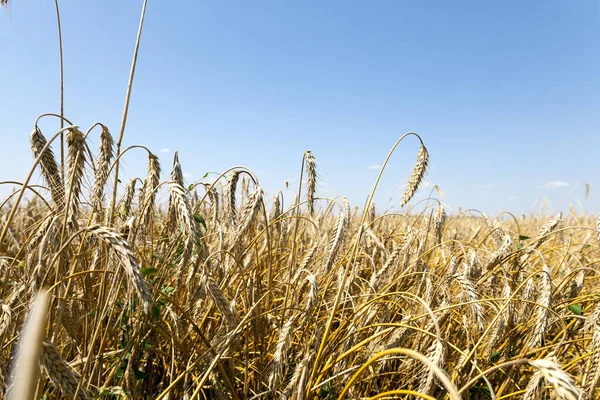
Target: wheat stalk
(103,168)
(341,226)
(499,255)
(563,384)
(250,211)
(439,219)
(417,176)
(437,355)
(469,293)
(280,355)
(49,167)
(60,374)
(231,187)
(75,169)
(129,262)
(542,310)
(497,232)
(127,200)
(5,320)
(212,288)
(311,171)
(150,187)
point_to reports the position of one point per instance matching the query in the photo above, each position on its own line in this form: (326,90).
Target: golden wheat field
(223,293)
(158,288)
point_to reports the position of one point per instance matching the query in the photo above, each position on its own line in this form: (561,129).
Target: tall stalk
(125,112)
(62,92)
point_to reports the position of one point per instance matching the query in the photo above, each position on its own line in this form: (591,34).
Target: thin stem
(62,92)
(126,110)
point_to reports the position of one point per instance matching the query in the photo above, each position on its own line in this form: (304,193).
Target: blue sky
(506,95)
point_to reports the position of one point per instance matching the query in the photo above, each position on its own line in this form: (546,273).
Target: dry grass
(190,298)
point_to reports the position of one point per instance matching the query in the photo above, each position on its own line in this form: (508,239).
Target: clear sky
(505,94)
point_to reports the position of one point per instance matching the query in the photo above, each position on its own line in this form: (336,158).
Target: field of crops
(219,292)
(162,288)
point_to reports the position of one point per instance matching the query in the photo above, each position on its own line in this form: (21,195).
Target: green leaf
(168,290)
(325,390)
(576,309)
(148,271)
(190,187)
(523,237)
(495,356)
(139,374)
(156,311)
(200,220)
(205,175)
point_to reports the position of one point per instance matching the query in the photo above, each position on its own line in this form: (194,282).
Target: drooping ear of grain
(545,231)
(49,167)
(501,254)
(227,311)
(469,294)
(129,262)
(497,232)
(105,156)
(533,391)
(60,374)
(417,175)
(563,384)
(541,237)
(311,172)
(437,355)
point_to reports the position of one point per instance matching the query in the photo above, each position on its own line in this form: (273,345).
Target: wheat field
(219,292)
(157,288)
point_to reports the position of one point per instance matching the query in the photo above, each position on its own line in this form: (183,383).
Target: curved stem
(402,391)
(340,290)
(26,181)
(441,375)
(37,120)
